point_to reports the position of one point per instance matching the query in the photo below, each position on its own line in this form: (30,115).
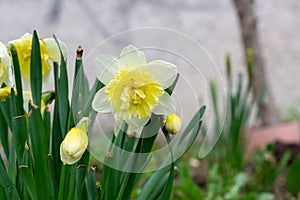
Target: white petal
(106,67)
(53,49)
(4,56)
(10,79)
(100,102)
(164,72)
(132,57)
(117,126)
(27,96)
(138,122)
(26,36)
(165,105)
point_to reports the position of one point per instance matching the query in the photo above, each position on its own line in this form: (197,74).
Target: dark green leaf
(17,73)
(20,135)
(40,148)
(36,70)
(91,185)
(28,179)
(7,184)
(293,177)
(80,175)
(171,88)
(4,135)
(62,93)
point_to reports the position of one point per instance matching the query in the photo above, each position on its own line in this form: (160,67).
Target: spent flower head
(134,88)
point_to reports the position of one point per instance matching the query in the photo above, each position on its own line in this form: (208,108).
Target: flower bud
(75,143)
(172,124)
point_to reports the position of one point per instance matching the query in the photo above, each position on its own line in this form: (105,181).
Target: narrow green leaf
(54,183)
(168,187)
(40,147)
(72,182)
(36,77)
(28,179)
(57,135)
(20,135)
(91,185)
(151,184)
(62,93)
(5,108)
(293,177)
(12,171)
(64,182)
(80,175)
(80,92)
(144,145)
(47,124)
(192,131)
(7,184)
(4,135)
(17,73)
(171,88)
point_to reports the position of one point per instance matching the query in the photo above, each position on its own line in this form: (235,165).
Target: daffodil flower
(5,66)
(49,52)
(172,124)
(134,87)
(75,143)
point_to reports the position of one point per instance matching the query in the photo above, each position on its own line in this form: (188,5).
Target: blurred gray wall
(211,22)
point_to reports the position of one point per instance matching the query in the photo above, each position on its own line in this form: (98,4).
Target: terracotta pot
(259,137)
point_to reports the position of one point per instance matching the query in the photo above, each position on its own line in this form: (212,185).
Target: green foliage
(293,177)
(241,104)
(34,169)
(267,170)
(186,188)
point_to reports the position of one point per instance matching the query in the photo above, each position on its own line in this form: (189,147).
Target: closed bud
(75,143)
(172,124)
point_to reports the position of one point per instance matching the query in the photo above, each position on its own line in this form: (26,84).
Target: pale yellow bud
(75,143)
(172,124)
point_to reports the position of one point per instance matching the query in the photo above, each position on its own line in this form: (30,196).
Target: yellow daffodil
(49,52)
(134,87)
(5,67)
(75,143)
(172,124)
